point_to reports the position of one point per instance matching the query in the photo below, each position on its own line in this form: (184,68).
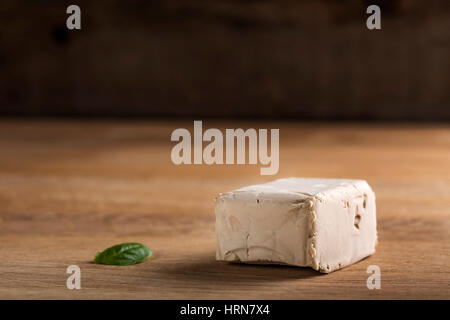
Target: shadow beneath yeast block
(205,268)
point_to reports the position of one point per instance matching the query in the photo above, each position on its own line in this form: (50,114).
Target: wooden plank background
(266,58)
(70,188)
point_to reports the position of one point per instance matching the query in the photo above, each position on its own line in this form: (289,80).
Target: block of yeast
(325,224)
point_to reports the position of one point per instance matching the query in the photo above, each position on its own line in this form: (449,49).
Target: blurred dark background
(304,59)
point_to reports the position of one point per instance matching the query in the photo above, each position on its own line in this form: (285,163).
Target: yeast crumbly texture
(325,224)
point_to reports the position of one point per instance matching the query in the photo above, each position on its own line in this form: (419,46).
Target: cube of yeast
(325,224)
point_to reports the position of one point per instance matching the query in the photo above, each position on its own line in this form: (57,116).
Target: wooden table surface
(71,188)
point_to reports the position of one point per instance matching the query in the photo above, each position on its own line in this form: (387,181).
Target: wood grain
(71,188)
(234,58)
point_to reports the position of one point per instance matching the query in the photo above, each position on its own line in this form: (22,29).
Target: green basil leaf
(123,254)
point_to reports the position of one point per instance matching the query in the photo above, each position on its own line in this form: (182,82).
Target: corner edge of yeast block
(217,202)
(361,189)
(222,254)
(311,252)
